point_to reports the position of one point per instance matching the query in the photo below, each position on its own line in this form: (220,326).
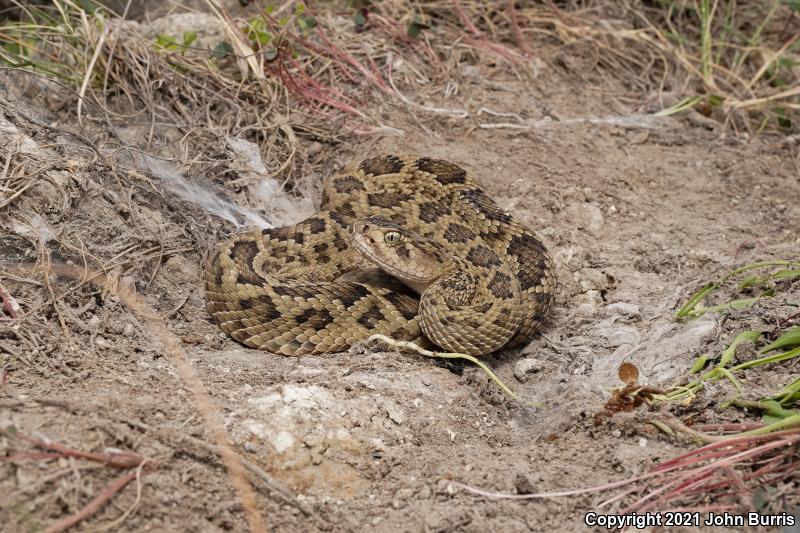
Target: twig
(93,506)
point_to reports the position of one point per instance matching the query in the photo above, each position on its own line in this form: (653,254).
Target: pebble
(128,330)
(623,309)
(523,484)
(586,215)
(524,367)
(395,413)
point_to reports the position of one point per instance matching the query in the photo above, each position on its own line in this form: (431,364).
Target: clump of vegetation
(735,63)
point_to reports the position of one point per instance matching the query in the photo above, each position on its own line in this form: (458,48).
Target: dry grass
(296,72)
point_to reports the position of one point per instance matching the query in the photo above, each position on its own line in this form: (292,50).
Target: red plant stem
(31,456)
(465,20)
(751,439)
(92,507)
(118,460)
(512,12)
(344,56)
(706,471)
(683,482)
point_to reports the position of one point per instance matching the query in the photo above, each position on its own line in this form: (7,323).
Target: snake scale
(410,247)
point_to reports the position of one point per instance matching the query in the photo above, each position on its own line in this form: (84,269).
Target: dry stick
(210,414)
(117,460)
(99,500)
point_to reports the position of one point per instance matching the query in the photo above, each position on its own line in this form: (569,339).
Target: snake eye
(392,237)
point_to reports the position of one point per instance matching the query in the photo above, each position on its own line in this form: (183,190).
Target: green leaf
(167,42)
(300,9)
(776,358)
(222,50)
(88,6)
(413,30)
(794,5)
(271,53)
(283,21)
(359,19)
(729,352)
(269,9)
(750,281)
(188,38)
(715,100)
(789,339)
(786,273)
(308,22)
(699,364)
(688,307)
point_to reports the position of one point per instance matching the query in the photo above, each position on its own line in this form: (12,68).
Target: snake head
(408,256)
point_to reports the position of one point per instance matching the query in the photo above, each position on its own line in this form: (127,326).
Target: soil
(639,212)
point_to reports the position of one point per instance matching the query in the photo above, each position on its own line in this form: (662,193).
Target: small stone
(404,494)
(94,321)
(101,341)
(524,367)
(128,330)
(623,309)
(639,137)
(249,447)
(377,520)
(523,484)
(395,413)
(397,504)
(444,486)
(624,336)
(424,492)
(313,439)
(587,216)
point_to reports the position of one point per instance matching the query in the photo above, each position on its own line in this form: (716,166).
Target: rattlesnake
(485,281)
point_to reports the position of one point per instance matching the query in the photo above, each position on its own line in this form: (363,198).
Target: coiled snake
(405,246)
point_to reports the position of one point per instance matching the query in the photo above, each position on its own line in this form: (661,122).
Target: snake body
(313,287)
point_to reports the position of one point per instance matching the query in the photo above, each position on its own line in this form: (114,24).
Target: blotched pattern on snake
(411,247)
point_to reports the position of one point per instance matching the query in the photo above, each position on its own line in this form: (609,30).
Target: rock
(128,330)
(623,309)
(586,215)
(524,367)
(395,413)
(523,484)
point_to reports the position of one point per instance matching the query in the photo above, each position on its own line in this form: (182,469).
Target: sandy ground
(639,212)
